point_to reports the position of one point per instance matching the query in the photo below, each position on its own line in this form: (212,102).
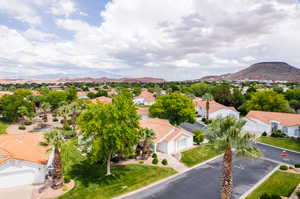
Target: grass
(90,182)
(280,183)
(198,155)
(3,127)
(287,143)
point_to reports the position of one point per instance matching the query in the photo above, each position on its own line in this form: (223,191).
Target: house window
(274,126)
(285,130)
(297,133)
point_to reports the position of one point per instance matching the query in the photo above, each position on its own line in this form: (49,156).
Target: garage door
(17,178)
(181,144)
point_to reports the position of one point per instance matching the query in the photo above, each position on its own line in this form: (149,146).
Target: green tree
(237,98)
(55,98)
(71,94)
(198,136)
(74,110)
(222,94)
(114,127)
(136,91)
(175,107)
(23,112)
(225,134)
(55,139)
(63,111)
(208,98)
(267,100)
(199,89)
(293,96)
(147,136)
(23,92)
(45,106)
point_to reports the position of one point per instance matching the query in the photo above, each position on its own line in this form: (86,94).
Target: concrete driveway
(22,192)
(191,127)
(203,182)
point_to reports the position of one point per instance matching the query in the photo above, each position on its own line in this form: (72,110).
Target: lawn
(198,155)
(3,126)
(286,143)
(280,183)
(92,184)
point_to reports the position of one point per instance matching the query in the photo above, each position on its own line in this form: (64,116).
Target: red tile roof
(286,119)
(105,100)
(143,110)
(147,96)
(23,147)
(213,105)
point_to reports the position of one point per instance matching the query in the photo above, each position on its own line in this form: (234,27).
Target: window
(297,133)
(274,126)
(285,129)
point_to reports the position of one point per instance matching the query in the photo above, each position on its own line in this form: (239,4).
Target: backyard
(91,182)
(280,183)
(287,143)
(199,154)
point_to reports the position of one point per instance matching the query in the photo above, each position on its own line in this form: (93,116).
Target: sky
(171,39)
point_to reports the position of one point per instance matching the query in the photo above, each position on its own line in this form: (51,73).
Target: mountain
(105,79)
(275,71)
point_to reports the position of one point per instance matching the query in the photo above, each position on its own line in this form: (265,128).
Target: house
(102,99)
(22,160)
(55,87)
(145,98)
(82,94)
(261,121)
(169,139)
(215,109)
(143,112)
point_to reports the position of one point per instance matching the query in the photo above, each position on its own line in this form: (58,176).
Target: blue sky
(172,39)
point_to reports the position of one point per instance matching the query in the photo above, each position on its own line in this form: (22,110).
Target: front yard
(280,183)
(199,154)
(92,184)
(286,143)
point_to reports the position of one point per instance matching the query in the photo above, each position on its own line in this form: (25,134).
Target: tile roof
(143,110)
(23,146)
(147,96)
(105,100)
(286,119)
(163,129)
(213,105)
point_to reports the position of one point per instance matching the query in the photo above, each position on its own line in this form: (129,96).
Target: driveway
(191,127)
(203,181)
(22,192)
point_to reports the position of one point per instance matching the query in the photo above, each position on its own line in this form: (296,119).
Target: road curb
(259,183)
(284,149)
(168,178)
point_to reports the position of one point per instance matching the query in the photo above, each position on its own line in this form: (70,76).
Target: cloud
(63,7)
(36,35)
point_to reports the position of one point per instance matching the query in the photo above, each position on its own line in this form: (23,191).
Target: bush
(27,123)
(22,127)
(67,179)
(203,119)
(283,167)
(67,128)
(199,137)
(55,119)
(141,162)
(164,162)
(264,134)
(298,194)
(155,161)
(278,134)
(269,196)
(154,155)
(297,165)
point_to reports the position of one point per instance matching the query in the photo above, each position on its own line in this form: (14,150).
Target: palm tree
(64,111)
(23,112)
(148,136)
(225,134)
(45,107)
(55,140)
(74,109)
(208,98)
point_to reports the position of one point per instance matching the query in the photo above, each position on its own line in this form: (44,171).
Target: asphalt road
(203,182)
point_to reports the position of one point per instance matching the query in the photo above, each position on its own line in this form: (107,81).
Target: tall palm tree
(55,140)
(208,98)
(225,134)
(45,106)
(74,110)
(63,111)
(148,136)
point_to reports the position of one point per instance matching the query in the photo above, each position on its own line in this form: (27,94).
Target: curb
(259,183)
(279,147)
(167,179)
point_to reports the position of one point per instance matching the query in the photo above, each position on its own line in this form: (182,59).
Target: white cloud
(34,34)
(63,7)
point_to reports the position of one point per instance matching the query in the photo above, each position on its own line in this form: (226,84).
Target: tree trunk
(207,110)
(65,121)
(58,175)
(145,146)
(74,114)
(108,173)
(227,183)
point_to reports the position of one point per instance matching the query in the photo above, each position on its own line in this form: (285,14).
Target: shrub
(27,123)
(264,134)
(298,194)
(203,119)
(22,127)
(155,161)
(164,162)
(141,162)
(67,179)
(199,137)
(55,119)
(297,165)
(278,134)
(154,155)
(283,167)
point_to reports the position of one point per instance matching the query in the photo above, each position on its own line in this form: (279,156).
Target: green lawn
(198,155)
(286,143)
(280,183)
(3,126)
(92,184)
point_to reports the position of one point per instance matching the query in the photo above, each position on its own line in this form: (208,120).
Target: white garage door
(181,144)
(17,178)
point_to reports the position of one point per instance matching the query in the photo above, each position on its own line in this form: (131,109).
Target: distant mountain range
(275,71)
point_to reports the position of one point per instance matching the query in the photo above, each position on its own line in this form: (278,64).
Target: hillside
(275,71)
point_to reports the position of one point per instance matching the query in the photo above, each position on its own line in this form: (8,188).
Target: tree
(222,94)
(293,96)
(267,100)
(198,136)
(63,111)
(148,136)
(71,94)
(237,98)
(55,98)
(114,128)
(199,89)
(225,134)
(45,106)
(175,107)
(74,110)
(55,140)
(136,91)
(208,98)
(23,112)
